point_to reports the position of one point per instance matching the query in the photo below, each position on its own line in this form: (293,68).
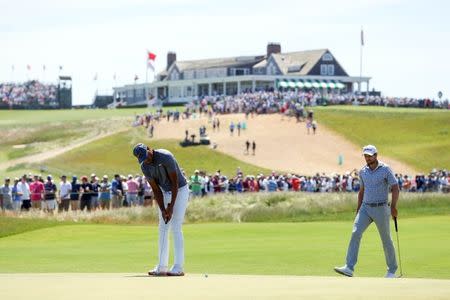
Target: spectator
(65,189)
(37,193)
(125,201)
(49,203)
(17,196)
(105,193)
(75,194)
(86,194)
(116,191)
(94,194)
(23,188)
(141,190)
(6,195)
(196,184)
(132,191)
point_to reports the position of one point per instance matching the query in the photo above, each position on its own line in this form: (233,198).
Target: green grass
(11,225)
(262,207)
(418,137)
(246,248)
(15,118)
(113,154)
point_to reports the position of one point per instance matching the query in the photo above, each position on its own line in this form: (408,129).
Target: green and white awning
(304,83)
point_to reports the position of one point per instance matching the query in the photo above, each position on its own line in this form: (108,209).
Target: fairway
(418,137)
(246,248)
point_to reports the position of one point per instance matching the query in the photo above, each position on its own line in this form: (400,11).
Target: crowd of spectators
(32,192)
(88,193)
(28,93)
(202,184)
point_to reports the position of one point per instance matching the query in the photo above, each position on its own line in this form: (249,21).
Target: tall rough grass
(259,207)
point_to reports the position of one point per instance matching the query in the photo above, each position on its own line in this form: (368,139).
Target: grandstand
(34,94)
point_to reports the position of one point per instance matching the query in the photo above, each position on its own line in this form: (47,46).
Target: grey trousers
(381,216)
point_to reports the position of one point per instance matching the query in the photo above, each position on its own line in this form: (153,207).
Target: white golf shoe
(344,271)
(157,271)
(390,275)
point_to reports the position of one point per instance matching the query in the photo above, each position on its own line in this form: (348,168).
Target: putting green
(138,286)
(222,248)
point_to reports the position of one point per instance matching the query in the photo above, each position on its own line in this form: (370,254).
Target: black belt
(376,204)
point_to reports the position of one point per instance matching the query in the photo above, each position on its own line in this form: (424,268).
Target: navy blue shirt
(162,165)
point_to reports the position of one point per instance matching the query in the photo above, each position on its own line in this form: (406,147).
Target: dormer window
(327,57)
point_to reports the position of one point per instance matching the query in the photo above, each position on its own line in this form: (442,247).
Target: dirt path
(57,151)
(194,286)
(281,144)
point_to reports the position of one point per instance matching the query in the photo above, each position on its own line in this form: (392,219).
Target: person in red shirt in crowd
(295,183)
(216,183)
(37,192)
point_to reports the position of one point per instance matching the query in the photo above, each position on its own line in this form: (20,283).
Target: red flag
(151,56)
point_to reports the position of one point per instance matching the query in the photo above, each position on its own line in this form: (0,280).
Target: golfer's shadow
(140,275)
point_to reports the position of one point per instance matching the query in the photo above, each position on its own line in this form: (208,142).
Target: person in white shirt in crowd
(65,188)
(24,188)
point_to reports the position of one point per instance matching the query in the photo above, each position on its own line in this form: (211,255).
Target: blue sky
(406,42)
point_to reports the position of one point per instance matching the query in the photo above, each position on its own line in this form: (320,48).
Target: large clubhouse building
(184,81)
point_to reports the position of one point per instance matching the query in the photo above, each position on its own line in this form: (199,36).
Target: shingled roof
(218,62)
(304,60)
(290,63)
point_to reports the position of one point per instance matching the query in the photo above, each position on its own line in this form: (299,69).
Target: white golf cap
(370,150)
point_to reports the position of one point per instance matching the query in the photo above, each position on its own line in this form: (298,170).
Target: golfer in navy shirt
(172,194)
(376,180)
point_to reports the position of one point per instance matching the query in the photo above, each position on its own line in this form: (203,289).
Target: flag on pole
(95,77)
(136,77)
(151,60)
(28,67)
(60,68)
(43,67)
(114,76)
(362,37)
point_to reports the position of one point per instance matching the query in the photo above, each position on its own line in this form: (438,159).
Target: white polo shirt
(24,188)
(65,189)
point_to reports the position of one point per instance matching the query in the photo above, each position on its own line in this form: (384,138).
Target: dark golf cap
(140,151)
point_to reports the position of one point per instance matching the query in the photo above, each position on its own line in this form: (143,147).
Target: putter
(398,246)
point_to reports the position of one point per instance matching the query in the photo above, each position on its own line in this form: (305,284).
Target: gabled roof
(218,62)
(290,63)
(303,60)
(261,64)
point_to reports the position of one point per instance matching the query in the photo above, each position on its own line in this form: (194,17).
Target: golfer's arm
(360,198)
(158,194)
(395,194)
(174,187)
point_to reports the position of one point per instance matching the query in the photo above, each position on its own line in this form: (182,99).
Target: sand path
(280,144)
(38,157)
